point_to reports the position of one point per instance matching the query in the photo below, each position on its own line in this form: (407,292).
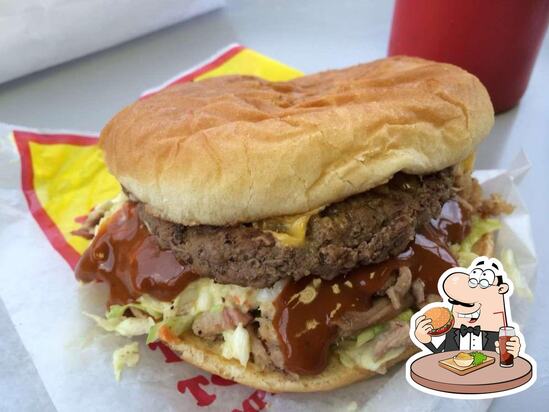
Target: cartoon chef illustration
(478,306)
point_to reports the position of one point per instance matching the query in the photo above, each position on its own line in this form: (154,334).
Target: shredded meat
(267,334)
(381,311)
(396,335)
(87,229)
(494,206)
(260,356)
(418,291)
(210,324)
(401,287)
(469,193)
(233,317)
(391,279)
(467,188)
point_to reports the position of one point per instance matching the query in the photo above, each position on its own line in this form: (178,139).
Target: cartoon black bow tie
(464,330)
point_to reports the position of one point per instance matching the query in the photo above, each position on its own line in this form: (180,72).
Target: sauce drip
(306,330)
(128,258)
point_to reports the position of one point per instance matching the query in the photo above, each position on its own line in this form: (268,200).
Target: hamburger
(281,234)
(442,320)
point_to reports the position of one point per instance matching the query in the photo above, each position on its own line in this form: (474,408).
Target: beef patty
(362,229)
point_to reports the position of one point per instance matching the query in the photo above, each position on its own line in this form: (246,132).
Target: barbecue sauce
(128,258)
(306,314)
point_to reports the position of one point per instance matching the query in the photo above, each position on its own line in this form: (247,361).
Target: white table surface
(311,36)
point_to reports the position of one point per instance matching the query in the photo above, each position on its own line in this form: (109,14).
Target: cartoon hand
(423,327)
(513,346)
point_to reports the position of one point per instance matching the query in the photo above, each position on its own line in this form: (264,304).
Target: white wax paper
(41,33)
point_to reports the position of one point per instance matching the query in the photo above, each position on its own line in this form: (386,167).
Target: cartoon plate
(427,372)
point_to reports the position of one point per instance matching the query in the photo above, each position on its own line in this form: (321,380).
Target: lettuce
(478,357)
(124,326)
(236,345)
(154,306)
(146,304)
(200,296)
(479,227)
(369,334)
(367,361)
(406,315)
(346,360)
(126,356)
(177,325)
(361,354)
(213,296)
(134,326)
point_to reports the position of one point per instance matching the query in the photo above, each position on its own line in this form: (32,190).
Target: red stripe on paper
(187,77)
(209,66)
(48,226)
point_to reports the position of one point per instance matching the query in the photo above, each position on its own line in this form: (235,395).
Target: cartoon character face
(477,296)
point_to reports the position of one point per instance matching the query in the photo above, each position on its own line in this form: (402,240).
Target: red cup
(496,40)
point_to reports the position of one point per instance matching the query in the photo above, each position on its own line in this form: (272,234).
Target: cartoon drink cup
(505,335)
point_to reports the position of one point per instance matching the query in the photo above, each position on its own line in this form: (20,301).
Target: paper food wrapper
(41,33)
(49,180)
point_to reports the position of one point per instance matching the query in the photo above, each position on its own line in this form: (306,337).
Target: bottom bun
(206,356)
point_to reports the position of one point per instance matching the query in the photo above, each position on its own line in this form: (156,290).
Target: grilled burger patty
(362,229)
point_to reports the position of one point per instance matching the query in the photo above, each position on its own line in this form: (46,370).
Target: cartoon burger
(442,320)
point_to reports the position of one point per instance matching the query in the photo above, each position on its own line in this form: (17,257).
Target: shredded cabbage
(345,359)
(177,325)
(205,295)
(479,227)
(369,334)
(124,326)
(126,356)
(202,295)
(363,357)
(367,361)
(512,270)
(236,345)
(406,315)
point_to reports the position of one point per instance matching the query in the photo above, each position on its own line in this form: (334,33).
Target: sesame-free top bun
(240,149)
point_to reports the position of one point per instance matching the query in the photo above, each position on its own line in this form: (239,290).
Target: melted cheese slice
(466,166)
(289,231)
